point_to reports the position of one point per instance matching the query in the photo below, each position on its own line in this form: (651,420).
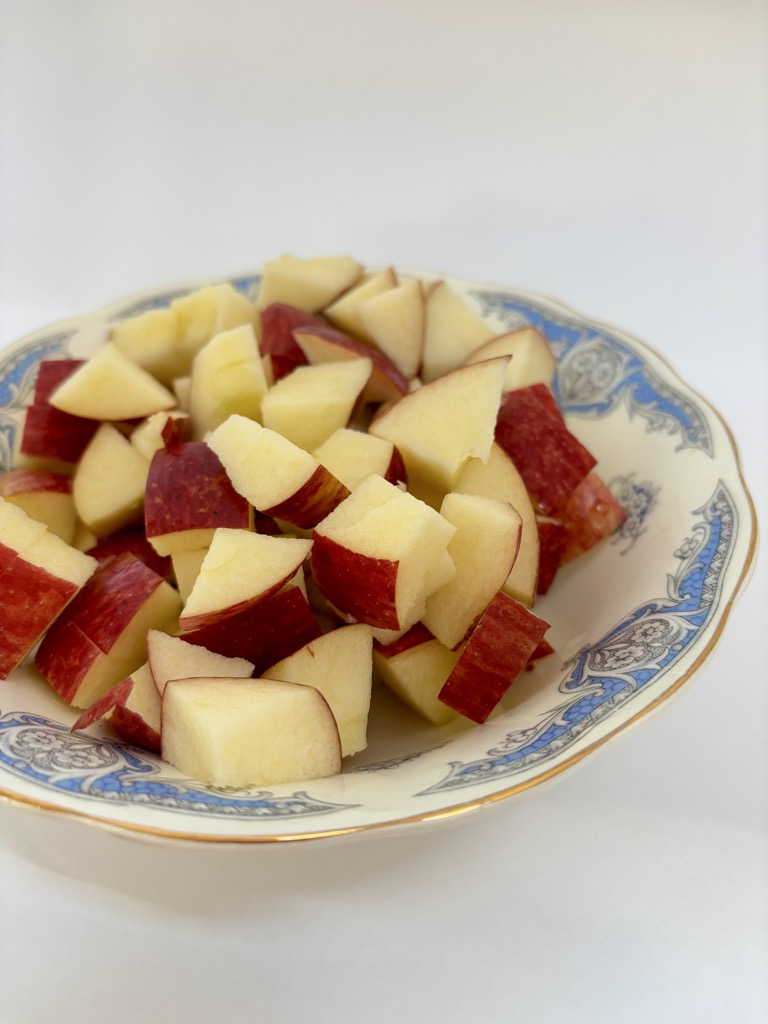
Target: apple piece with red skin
(239,570)
(339,665)
(278,322)
(591,513)
(276,476)
(248,732)
(551,460)
(352,455)
(131,539)
(415,667)
(496,652)
(309,284)
(188,496)
(264,632)
(37,583)
(532,359)
(387,382)
(483,549)
(380,554)
(172,657)
(49,435)
(160,430)
(344,313)
(44,496)
(131,708)
(101,637)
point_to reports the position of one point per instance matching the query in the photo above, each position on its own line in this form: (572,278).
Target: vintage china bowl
(631,622)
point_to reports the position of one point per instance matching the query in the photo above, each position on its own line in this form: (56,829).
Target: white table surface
(610,154)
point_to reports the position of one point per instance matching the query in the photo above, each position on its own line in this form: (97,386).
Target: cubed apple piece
(131,708)
(498,478)
(132,539)
(101,637)
(352,455)
(151,340)
(109,482)
(344,313)
(414,668)
(51,373)
(386,383)
(188,496)
(551,460)
(44,496)
(275,475)
(394,321)
(532,360)
(276,341)
(439,427)
(497,651)
(239,570)
(380,554)
(308,284)
(311,403)
(227,377)
(206,312)
(39,575)
(262,632)
(171,657)
(110,386)
(452,332)
(339,665)
(590,514)
(160,429)
(249,732)
(483,549)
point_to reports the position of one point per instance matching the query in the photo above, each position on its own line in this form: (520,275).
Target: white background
(610,154)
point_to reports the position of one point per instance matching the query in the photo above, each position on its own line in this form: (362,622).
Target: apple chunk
(109,482)
(321,345)
(352,455)
(171,657)
(110,386)
(275,475)
(483,550)
(452,332)
(276,339)
(311,403)
(532,360)
(188,496)
(380,554)
(227,377)
(101,637)
(131,708)
(497,651)
(248,732)
(414,668)
(308,284)
(39,575)
(439,427)
(44,496)
(339,665)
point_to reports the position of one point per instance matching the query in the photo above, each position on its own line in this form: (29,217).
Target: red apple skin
(396,472)
(32,599)
(104,607)
(356,584)
(497,651)
(51,373)
(7,557)
(264,633)
(65,656)
(51,434)
(551,460)
(387,382)
(278,323)
(552,542)
(117,694)
(134,540)
(318,497)
(188,489)
(590,514)
(30,481)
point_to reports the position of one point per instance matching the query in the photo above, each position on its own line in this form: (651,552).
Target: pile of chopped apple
(234,517)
